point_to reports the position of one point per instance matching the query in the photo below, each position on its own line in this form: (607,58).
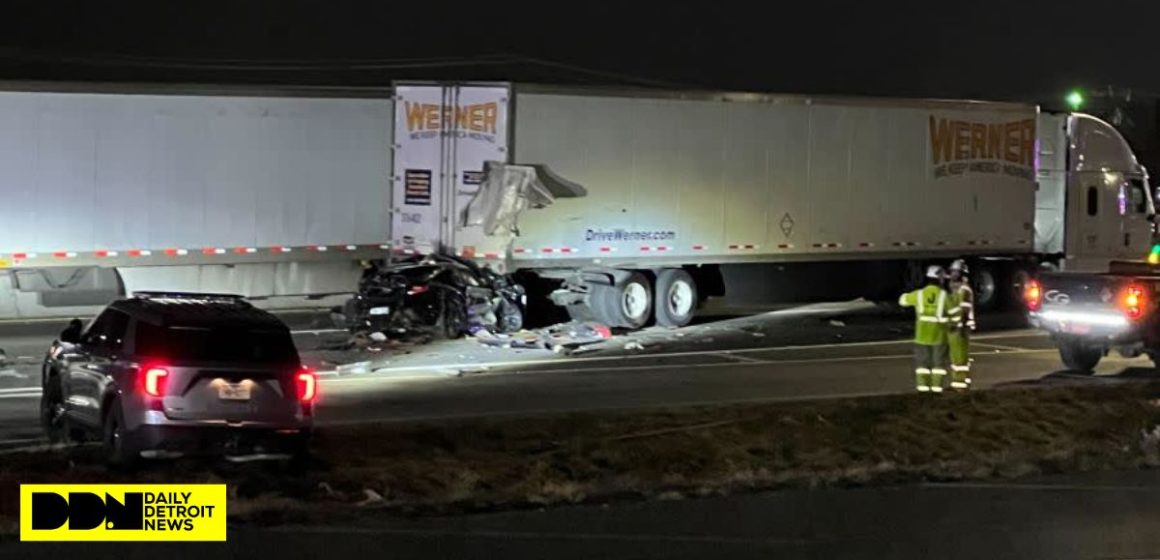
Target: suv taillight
(1133,301)
(154,380)
(1033,295)
(307,385)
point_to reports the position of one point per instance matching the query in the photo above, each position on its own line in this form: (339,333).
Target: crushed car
(439,295)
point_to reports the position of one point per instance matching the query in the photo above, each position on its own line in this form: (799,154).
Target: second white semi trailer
(683,196)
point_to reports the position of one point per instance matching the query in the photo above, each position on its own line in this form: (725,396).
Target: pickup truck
(1091,314)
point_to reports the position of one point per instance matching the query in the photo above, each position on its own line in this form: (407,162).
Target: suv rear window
(215,344)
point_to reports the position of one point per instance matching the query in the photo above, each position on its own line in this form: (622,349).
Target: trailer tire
(676,298)
(1078,357)
(1015,282)
(985,284)
(627,304)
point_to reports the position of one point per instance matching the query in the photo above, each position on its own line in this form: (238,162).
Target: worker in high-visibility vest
(959,334)
(934,308)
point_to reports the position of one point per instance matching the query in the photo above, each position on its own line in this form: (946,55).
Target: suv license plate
(234,391)
(1077,328)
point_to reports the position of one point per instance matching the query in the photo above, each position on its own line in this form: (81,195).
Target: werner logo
(123,512)
(958,147)
(430,120)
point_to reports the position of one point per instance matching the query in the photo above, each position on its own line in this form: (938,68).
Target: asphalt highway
(812,352)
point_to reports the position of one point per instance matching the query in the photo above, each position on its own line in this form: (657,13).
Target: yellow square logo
(123,512)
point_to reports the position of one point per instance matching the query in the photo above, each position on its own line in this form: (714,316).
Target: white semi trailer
(668,198)
(111,189)
(684,196)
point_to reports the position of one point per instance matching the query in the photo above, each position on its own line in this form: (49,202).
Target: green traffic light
(1075,99)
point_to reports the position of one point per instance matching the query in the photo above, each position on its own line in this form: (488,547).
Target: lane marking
(740,358)
(683,354)
(19,389)
(20,440)
(376,378)
(35,395)
(1000,346)
(318,331)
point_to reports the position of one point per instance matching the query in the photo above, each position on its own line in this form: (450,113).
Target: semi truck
(685,196)
(112,189)
(626,206)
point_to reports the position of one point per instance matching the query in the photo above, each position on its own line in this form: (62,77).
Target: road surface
(1109,515)
(805,353)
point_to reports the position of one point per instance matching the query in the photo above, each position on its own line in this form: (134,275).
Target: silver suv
(163,375)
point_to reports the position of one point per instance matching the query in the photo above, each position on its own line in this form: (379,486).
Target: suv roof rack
(191,297)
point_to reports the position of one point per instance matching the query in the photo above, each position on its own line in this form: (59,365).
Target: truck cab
(1093,204)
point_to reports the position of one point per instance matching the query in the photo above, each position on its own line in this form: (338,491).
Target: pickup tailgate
(1092,304)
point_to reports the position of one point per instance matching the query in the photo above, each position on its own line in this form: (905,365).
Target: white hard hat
(959,266)
(934,271)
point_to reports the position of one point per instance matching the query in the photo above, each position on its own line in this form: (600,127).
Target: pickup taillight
(1033,295)
(1133,301)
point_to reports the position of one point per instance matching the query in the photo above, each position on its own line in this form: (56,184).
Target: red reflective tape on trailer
(662,248)
(320,248)
(137,252)
(176,252)
(64,254)
(941,243)
(519,250)
(865,244)
(385,247)
(644,248)
(970,243)
(698,247)
(20,256)
(567,250)
(606,249)
(784,246)
(734,247)
(546,250)
(491,255)
(351,247)
(213,251)
(280,249)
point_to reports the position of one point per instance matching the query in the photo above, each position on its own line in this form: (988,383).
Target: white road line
(318,331)
(999,346)
(739,358)
(20,440)
(706,352)
(35,395)
(380,379)
(19,390)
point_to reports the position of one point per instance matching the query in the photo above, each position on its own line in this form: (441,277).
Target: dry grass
(668,454)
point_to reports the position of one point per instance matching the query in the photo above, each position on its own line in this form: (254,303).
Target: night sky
(1002,50)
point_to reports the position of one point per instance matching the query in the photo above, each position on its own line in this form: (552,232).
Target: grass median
(483,464)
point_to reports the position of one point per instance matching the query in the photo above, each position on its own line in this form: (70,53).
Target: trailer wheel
(628,304)
(676,298)
(1018,279)
(1079,357)
(986,287)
